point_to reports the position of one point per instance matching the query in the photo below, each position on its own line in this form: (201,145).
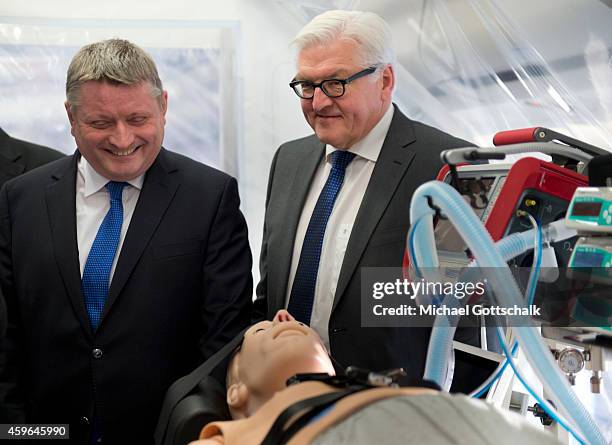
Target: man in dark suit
(17,157)
(316,237)
(123,266)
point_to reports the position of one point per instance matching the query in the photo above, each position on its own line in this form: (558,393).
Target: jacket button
(84,420)
(97,353)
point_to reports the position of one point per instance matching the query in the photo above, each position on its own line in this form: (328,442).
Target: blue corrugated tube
(440,346)
(529,296)
(443,332)
(499,277)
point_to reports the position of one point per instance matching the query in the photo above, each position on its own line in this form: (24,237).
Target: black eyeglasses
(331,87)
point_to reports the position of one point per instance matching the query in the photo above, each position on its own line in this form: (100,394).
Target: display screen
(588,259)
(476,192)
(586,209)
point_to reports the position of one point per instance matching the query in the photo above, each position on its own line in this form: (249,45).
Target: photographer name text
(404,310)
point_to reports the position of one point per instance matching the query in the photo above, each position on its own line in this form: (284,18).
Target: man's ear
(237,396)
(164,104)
(388,82)
(69,111)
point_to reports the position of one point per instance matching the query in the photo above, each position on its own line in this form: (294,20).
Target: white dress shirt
(92,205)
(340,223)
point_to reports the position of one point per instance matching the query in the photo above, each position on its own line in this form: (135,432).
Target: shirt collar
(94,181)
(369,147)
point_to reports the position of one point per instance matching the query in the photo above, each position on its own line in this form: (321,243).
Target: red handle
(515,136)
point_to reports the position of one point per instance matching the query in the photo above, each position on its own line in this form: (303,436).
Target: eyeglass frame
(365,72)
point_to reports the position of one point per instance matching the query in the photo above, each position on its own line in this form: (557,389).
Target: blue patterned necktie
(304,283)
(97,269)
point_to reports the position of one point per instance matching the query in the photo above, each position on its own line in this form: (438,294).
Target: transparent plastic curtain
(479,63)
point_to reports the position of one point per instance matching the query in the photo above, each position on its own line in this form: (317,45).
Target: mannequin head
(272,351)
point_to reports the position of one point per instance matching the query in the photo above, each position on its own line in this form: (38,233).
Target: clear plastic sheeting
(194,60)
(499,81)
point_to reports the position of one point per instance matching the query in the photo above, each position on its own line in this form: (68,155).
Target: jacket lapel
(393,162)
(61,207)
(157,192)
(10,164)
(303,171)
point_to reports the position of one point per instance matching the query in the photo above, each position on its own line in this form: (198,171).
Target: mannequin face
(273,351)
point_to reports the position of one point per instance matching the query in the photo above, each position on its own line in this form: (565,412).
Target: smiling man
(123,266)
(339,200)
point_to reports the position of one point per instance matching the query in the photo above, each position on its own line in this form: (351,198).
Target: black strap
(183,386)
(278,435)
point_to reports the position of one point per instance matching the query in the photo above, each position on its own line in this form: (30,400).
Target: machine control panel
(591,210)
(592,255)
(592,252)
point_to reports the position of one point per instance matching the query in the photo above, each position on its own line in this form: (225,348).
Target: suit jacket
(408,158)
(17,157)
(181,289)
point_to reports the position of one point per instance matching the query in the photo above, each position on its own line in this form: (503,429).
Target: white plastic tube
(518,243)
(500,278)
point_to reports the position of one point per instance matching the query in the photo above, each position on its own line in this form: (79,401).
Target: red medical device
(497,191)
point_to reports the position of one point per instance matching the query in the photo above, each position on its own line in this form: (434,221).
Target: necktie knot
(341,158)
(115,189)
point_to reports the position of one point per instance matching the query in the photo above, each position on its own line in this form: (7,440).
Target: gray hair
(368,30)
(115,61)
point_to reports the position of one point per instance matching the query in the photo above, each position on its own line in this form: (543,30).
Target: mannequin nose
(282,316)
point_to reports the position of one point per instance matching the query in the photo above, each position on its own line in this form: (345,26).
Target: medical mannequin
(274,351)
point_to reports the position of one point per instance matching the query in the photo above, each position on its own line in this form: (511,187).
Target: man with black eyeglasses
(339,200)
